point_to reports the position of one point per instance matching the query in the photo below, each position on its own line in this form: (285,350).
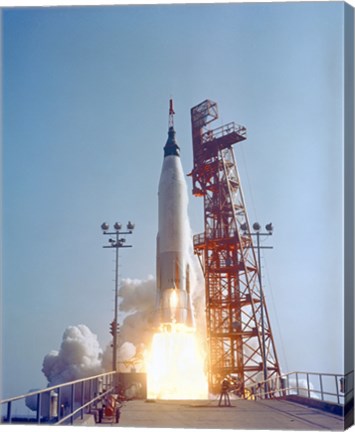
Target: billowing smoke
(79,356)
(138,306)
(197,295)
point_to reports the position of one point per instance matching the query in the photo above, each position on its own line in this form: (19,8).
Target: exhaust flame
(175,367)
(173,300)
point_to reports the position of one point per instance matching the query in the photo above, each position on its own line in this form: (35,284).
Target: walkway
(267,414)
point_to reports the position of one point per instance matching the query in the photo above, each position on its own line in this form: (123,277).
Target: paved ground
(243,414)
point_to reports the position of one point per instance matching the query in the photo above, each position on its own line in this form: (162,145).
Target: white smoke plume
(79,356)
(138,295)
(138,306)
(198,296)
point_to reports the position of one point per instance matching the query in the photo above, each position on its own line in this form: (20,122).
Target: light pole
(116,243)
(269,228)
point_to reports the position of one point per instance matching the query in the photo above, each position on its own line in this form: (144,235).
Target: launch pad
(243,414)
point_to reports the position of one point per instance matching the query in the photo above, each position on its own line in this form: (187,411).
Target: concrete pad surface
(243,414)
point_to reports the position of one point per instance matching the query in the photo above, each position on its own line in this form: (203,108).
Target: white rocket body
(173,275)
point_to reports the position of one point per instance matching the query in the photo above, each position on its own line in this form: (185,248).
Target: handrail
(48,389)
(73,396)
(222,131)
(76,411)
(326,387)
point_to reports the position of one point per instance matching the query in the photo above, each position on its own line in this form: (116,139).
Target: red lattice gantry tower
(238,328)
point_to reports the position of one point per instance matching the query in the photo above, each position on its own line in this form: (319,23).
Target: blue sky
(85,117)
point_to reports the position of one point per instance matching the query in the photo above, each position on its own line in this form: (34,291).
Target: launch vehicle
(173,274)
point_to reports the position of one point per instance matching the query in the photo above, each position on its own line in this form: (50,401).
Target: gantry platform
(243,414)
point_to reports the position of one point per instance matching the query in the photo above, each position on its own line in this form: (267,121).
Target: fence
(333,388)
(63,403)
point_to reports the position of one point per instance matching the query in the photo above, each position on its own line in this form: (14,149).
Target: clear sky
(85,117)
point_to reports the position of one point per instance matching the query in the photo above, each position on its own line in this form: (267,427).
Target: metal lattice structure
(238,328)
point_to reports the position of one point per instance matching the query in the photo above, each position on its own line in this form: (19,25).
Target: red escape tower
(238,328)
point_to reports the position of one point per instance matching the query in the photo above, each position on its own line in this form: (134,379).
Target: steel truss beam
(235,304)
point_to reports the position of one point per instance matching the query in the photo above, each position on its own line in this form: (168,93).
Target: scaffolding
(239,335)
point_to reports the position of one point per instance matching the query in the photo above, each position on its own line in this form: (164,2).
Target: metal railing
(223,131)
(325,387)
(213,234)
(63,403)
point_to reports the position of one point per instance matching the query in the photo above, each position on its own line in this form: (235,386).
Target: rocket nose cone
(171,148)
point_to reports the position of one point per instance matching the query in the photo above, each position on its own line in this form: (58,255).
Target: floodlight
(256,226)
(244,227)
(130,225)
(269,227)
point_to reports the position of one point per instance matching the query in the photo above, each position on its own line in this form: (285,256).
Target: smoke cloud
(79,356)
(138,295)
(138,307)
(138,302)
(197,295)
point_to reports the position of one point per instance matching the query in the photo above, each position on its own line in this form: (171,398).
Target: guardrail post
(297,385)
(9,412)
(283,385)
(96,387)
(337,388)
(308,386)
(287,385)
(72,401)
(90,394)
(321,386)
(39,400)
(59,402)
(91,389)
(82,399)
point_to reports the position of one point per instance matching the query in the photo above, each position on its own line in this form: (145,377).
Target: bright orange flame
(173,300)
(175,365)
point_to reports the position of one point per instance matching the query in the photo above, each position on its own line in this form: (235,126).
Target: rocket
(173,275)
